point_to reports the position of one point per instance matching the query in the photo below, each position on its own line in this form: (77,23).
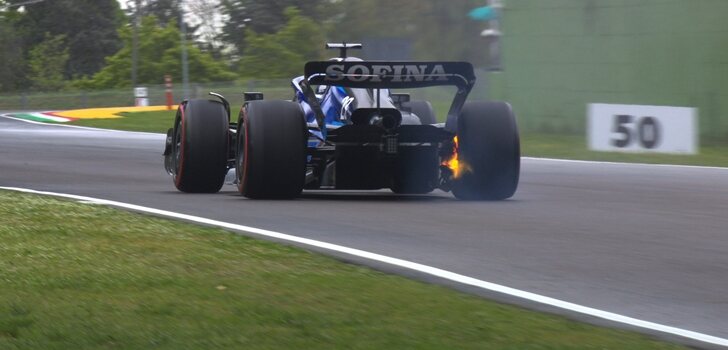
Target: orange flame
(453,163)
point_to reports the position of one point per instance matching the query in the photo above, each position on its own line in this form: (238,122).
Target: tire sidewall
(424,111)
(204,142)
(271,154)
(489,149)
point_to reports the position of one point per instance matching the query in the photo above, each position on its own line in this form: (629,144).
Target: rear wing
(394,75)
(389,75)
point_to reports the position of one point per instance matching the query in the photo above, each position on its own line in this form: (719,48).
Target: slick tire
(200,146)
(488,151)
(271,150)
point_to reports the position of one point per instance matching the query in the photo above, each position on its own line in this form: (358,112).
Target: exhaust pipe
(388,119)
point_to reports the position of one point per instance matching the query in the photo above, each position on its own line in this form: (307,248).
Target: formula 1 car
(346,129)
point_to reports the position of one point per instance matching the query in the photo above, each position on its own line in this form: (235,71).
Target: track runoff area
(691,337)
(399,263)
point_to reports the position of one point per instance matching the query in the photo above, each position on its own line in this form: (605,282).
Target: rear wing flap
(395,75)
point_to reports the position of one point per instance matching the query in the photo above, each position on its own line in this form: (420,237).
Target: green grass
(75,276)
(532,144)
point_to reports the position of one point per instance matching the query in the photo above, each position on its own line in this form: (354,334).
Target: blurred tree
(284,53)
(438,29)
(235,26)
(378,18)
(445,32)
(159,54)
(164,10)
(268,59)
(89,26)
(208,14)
(11,56)
(168,11)
(267,17)
(47,63)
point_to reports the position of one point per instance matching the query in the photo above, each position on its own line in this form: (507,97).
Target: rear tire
(489,152)
(200,146)
(423,110)
(271,150)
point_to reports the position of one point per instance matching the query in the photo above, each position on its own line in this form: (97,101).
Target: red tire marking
(178,177)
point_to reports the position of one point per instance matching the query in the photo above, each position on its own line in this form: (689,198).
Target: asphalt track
(648,242)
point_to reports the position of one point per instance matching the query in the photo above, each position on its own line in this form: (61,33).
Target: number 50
(646,130)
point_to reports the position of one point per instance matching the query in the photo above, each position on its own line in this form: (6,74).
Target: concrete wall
(560,55)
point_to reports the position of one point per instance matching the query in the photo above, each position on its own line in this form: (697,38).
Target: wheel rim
(178,149)
(240,157)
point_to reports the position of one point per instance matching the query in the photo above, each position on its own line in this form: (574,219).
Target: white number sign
(634,128)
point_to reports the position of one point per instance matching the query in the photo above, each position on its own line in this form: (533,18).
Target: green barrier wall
(560,55)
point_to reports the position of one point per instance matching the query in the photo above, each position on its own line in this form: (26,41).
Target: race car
(346,129)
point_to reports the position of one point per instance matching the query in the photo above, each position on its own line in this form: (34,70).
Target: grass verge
(79,276)
(575,147)
(532,144)
(157,121)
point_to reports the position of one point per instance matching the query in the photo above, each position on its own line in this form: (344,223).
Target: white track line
(433,271)
(622,163)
